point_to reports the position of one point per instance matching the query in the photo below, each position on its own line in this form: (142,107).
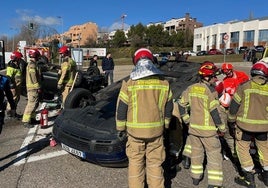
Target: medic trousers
(32,104)
(212,147)
(228,135)
(145,155)
(243,140)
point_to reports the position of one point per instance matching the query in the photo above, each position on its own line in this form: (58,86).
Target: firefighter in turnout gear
(67,72)
(199,107)
(33,88)
(14,72)
(248,113)
(144,110)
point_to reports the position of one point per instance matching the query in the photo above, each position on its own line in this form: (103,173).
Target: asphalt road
(27,160)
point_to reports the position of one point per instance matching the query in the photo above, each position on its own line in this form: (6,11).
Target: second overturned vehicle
(90,132)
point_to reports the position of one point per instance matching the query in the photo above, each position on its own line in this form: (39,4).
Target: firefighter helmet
(259,68)
(227,68)
(64,50)
(208,69)
(34,53)
(142,53)
(16,55)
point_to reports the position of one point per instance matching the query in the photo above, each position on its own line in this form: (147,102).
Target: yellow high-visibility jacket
(32,77)
(249,107)
(199,106)
(14,72)
(68,71)
(144,107)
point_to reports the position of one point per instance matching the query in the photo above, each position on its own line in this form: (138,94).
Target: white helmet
(225,99)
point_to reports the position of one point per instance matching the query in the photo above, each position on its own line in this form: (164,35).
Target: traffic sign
(225,37)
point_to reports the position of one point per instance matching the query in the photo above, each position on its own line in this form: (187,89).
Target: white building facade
(233,34)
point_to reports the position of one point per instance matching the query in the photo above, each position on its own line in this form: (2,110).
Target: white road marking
(25,144)
(36,133)
(46,156)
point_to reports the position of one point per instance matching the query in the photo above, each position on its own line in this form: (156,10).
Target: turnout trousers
(32,104)
(210,146)
(145,156)
(243,140)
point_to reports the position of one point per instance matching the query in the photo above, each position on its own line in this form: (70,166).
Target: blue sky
(106,13)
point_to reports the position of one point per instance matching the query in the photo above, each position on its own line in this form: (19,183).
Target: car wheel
(93,71)
(79,78)
(79,98)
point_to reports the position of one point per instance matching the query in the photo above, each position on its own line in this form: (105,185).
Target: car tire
(79,98)
(93,71)
(79,78)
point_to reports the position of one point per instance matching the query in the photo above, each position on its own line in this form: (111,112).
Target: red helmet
(34,53)
(16,55)
(142,53)
(227,68)
(64,50)
(208,69)
(259,68)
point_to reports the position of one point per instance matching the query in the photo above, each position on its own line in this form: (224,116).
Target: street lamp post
(61,36)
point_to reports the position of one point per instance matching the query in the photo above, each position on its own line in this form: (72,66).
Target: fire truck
(44,51)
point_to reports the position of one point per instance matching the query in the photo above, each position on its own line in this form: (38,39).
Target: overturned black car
(90,132)
(86,83)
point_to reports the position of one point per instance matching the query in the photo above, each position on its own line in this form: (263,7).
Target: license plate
(73,151)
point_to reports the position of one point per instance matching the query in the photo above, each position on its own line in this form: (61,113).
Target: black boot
(186,162)
(264,177)
(247,180)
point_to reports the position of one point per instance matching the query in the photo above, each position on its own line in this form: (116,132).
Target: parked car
(201,53)
(190,53)
(229,51)
(242,49)
(90,133)
(259,48)
(164,54)
(214,52)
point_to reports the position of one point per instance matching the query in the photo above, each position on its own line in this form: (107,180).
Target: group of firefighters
(18,70)
(233,110)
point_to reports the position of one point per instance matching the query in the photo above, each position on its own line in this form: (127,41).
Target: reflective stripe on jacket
(14,73)
(144,106)
(249,107)
(199,106)
(32,77)
(68,71)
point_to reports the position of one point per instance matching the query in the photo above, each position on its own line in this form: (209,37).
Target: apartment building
(78,35)
(182,24)
(249,33)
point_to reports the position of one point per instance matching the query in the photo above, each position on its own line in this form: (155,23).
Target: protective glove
(121,135)
(60,86)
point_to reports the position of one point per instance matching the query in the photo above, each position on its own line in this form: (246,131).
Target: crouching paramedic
(199,107)
(144,109)
(248,113)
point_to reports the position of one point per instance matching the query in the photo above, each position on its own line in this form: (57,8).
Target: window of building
(221,38)
(248,36)
(214,40)
(234,37)
(263,35)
